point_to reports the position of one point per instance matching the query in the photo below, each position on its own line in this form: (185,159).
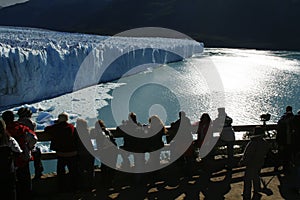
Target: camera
(265,117)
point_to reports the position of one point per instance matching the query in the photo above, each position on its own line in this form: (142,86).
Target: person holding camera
(253,158)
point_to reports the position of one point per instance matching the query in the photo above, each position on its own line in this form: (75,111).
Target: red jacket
(64,137)
(18,132)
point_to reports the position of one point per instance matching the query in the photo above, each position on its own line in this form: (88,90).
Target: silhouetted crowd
(77,147)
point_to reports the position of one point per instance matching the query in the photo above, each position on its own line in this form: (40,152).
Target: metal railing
(43,137)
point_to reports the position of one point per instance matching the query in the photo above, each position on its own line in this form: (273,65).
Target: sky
(4,3)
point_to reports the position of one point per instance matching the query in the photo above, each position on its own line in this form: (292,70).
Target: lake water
(247,83)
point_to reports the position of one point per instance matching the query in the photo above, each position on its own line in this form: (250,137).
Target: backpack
(30,141)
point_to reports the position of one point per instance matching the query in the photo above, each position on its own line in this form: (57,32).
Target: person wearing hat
(65,141)
(25,114)
(253,158)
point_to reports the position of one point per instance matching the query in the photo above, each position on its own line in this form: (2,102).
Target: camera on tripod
(265,117)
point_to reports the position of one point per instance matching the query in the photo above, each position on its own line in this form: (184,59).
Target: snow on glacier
(40,64)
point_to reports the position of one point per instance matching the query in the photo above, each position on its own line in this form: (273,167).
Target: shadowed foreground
(208,180)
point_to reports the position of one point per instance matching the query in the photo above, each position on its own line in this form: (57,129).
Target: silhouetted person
(154,142)
(106,148)
(26,139)
(86,159)
(25,114)
(133,140)
(297,166)
(205,141)
(203,126)
(64,140)
(222,124)
(184,123)
(183,127)
(284,137)
(296,133)
(8,148)
(253,158)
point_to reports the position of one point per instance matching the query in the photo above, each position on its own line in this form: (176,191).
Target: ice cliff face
(37,64)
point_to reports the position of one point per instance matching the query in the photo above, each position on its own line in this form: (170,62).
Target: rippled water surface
(247,82)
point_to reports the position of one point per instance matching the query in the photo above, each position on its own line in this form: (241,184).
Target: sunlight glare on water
(255,82)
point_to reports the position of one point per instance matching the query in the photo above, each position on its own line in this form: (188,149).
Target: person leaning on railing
(223,125)
(25,114)
(85,158)
(65,142)
(106,149)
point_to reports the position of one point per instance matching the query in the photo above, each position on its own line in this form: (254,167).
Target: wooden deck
(208,180)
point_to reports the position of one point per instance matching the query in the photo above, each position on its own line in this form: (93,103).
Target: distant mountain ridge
(51,14)
(263,24)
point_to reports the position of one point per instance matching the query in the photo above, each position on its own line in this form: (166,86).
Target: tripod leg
(263,182)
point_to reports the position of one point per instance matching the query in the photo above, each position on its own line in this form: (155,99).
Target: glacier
(39,64)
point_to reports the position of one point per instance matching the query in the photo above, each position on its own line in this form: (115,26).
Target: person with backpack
(9,148)
(25,114)
(284,137)
(26,139)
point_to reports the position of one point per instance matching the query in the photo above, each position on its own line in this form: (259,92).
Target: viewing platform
(210,179)
(43,137)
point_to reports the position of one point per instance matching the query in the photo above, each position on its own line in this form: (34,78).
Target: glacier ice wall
(38,64)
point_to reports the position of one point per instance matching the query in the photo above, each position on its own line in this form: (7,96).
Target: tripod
(264,118)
